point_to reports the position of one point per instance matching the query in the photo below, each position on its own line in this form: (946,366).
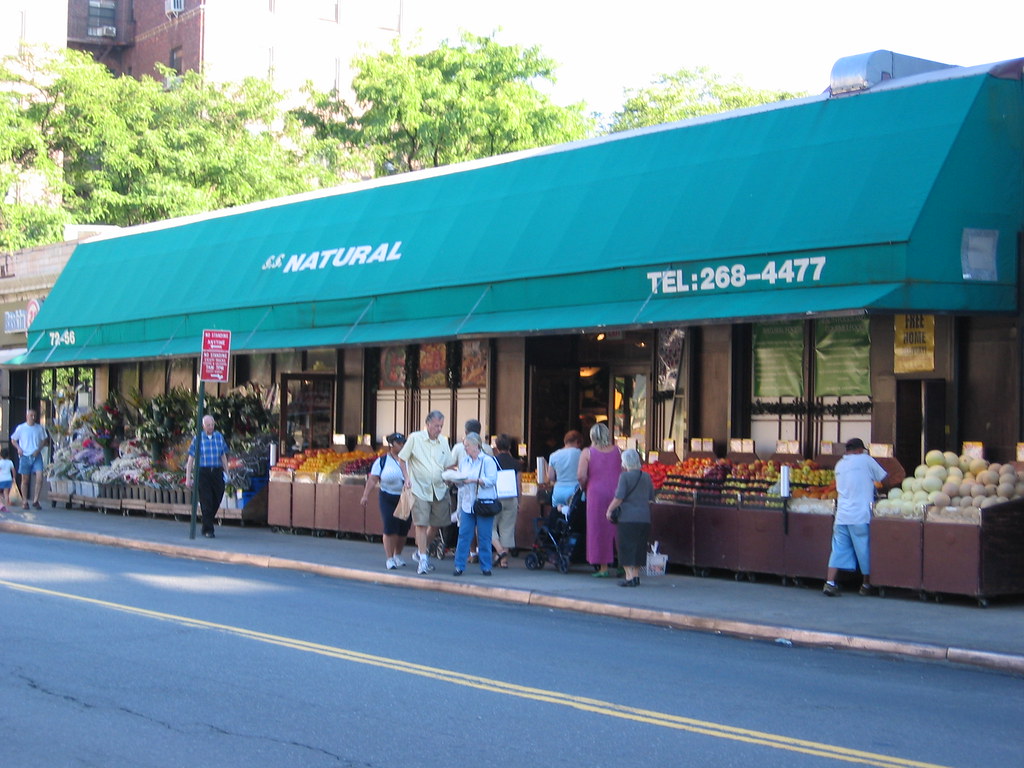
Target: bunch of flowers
(130,467)
(105,421)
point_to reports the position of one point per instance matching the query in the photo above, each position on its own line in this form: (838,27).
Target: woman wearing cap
(387,472)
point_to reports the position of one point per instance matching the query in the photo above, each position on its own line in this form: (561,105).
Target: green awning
(817,206)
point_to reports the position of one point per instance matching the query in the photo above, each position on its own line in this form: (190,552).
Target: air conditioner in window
(102,31)
(174,6)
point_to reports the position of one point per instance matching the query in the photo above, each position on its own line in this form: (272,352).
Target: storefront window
(321,360)
(307,411)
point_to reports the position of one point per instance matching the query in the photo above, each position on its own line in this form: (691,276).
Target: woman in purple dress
(598,474)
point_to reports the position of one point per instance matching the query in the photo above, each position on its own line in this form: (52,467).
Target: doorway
(920,419)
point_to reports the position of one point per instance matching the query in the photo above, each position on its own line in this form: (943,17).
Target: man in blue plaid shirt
(213,464)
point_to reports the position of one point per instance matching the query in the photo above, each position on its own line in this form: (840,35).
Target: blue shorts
(6,484)
(850,548)
(29,465)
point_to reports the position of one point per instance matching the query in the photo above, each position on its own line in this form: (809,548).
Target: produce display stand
(326,505)
(897,553)
(807,545)
(672,526)
(279,500)
(373,526)
(304,500)
(715,532)
(351,517)
(760,537)
(979,561)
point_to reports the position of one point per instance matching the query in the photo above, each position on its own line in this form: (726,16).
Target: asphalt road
(113,657)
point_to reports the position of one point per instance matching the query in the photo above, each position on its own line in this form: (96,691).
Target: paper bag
(405,502)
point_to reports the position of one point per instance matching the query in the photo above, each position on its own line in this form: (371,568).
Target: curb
(1001,662)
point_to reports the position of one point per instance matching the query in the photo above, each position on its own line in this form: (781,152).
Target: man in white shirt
(29,439)
(423,458)
(856,475)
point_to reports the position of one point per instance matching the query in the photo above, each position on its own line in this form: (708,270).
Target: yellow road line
(595,706)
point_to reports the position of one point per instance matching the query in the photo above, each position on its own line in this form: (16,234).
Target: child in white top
(6,478)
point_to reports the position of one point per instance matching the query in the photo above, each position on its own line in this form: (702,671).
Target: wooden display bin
(304,500)
(715,539)
(897,552)
(325,507)
(807,547)
(979,561)
(279,500)
(351,517)
(372,523)
(672,527)
(761,541)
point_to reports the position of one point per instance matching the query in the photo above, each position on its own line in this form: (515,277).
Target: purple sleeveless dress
(602,478)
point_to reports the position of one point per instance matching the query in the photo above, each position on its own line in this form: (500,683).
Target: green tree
(115,150)
(457,102)
(684,94)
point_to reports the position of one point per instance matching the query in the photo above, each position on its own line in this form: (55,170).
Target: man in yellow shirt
(425,455)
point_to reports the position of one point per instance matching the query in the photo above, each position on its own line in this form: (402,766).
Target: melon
(940,499)
(988,477)
(934,458)
(951,460)
(951,489)
(920,470)
(965,463)
(978,491)
(907,484)
(978,465)
(955,473)
(990,489)
(920,497)
(966,501)
(1005,490)
(994,467)
(931,483)
(895,494)
(991,501)
(937,471)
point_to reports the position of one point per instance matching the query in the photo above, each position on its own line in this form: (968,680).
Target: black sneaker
(868,591)
(830,590)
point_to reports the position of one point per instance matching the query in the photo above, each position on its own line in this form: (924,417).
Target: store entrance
(307,412)
(920,420)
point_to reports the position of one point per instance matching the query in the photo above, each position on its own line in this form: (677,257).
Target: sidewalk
(956,630)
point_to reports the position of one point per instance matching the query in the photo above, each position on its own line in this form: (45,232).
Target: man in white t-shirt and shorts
(29,439)
(856,475)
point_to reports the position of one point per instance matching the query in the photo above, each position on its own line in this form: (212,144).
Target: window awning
(817,206)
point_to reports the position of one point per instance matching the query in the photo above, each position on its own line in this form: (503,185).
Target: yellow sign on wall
(914,344)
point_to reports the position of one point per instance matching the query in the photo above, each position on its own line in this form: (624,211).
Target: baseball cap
(854,444)
(396,437)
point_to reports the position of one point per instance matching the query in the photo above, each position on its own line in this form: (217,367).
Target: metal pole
(195,463)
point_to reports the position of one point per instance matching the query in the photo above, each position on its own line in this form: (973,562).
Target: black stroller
(556,536)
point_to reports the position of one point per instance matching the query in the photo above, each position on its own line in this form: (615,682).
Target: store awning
(822,205)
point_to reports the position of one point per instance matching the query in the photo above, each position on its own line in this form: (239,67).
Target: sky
(602,48)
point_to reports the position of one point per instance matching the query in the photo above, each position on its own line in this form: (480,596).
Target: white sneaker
(391,564)
(399,562)
(416,555)
(425,566)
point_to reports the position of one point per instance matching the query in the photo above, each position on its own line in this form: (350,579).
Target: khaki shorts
(431,513)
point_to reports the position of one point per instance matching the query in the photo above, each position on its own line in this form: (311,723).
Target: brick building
(289,41)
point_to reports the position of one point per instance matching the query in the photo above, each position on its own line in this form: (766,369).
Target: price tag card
(1020,451)
(976,450)
(880,450)
(787,446)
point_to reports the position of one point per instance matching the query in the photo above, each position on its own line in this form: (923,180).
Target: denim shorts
(850,548)
(29,465)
